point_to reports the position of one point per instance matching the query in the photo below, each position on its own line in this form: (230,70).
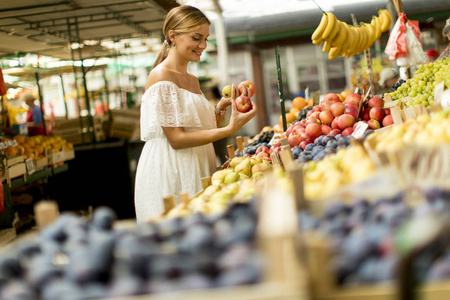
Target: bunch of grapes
(264,138)
(303,112)
(396,85)
(421,87)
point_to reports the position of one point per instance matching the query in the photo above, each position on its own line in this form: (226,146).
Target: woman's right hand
(238,119)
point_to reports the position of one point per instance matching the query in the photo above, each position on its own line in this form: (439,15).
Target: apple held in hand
(243,104)
(251,89)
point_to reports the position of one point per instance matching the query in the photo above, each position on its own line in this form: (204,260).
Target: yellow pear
(237,160)
(231,177)
(244,167)
(218,177)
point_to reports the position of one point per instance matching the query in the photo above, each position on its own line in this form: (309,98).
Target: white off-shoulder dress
(161,170)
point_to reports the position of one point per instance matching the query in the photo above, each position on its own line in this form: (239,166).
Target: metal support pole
(41,100)
(64,96)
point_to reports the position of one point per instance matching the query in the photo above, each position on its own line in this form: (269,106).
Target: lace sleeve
(163,105)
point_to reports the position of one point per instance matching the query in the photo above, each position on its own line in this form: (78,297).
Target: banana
(363,41)
(368,35)
(339,38)
(357,39)
(331,27)
(318,42)
(322,25)
(371,31)
(377,26)
(349,39)
(326,46)
(386,19)
(334,53)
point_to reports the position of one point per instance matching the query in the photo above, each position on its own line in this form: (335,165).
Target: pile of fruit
(74,258)
(236,183)
(339,38)
(420,88)
(422,131)
(332,172)
(367,238)
(35,147)
(333,117)
(246,90)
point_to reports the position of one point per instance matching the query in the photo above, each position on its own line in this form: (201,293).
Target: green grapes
(421,87)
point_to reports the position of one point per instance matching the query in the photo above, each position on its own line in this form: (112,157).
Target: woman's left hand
(225,102)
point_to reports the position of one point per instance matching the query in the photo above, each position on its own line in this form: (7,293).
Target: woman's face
(191,45)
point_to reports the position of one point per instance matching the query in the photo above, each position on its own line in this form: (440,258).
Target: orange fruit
(342,98)
(299,102)
(345,93)
(266,128)
(11,151)
(278,128)
(39,149)
(294,110)
(290,117)
(310,102)
(30,142)
(20,139)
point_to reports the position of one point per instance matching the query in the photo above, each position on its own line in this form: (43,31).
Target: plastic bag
(404,43)
(2,84)
(415,54)
(396,45)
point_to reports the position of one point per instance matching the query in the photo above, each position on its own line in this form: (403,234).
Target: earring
(174,44)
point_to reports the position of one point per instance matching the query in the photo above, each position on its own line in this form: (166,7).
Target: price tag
(359,130)
(4,145)
(31,168)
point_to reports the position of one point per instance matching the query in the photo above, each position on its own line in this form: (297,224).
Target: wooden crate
(77,131)
(125,124)
(14,167)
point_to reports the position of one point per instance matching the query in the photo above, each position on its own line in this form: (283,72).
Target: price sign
(4,145)
(359,130)
(31,167)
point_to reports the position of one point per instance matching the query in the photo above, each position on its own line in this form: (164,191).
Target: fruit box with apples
(401,114)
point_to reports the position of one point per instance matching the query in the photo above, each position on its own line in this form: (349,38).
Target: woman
(177,122)
(446,33)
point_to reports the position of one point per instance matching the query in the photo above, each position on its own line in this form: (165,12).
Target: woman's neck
(175,64)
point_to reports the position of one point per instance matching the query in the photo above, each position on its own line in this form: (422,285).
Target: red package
(396,45)
(2,84)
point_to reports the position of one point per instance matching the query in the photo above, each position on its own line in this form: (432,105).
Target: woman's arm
(179,138)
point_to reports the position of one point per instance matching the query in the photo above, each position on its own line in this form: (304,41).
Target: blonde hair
(181,19)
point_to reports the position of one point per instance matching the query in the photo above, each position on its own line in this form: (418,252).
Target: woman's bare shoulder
(158,74)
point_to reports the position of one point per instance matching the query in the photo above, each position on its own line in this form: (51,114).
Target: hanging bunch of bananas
(340,39)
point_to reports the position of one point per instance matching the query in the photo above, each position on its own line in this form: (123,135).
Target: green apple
(226,92)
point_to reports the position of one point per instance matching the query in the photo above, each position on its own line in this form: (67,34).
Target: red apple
(309,113)
(347,104)
(387,111)
(262,149)
(326,117)
(294,140)
(352,110)
(334,123)
(388,120)
(376,102)
(373,124)
(289,131)
(243,104)
(353,97)
(313,120)
(377,113)
(307,137)
(251,89)
(337,109)
(299,130)
(347,131)
(345,120)
(326,105)
(315,114)
(314,129)
(263,154)
(365,114)
(331,96)
(316,108)
(335,132)
(276,143)
(325,129)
